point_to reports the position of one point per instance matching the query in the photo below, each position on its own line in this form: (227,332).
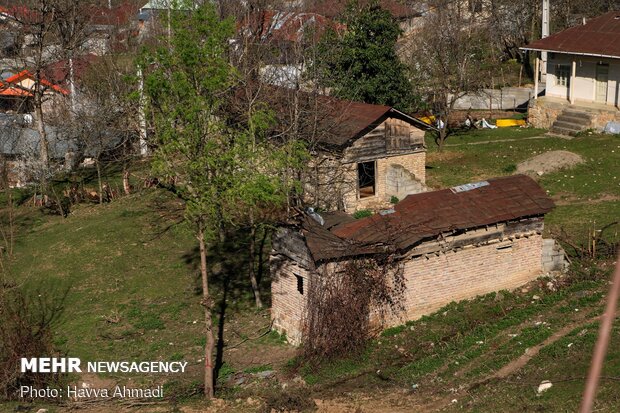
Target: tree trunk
(252,266)
(99,181)
(441,138)
(126,186)
(207,304)
(43,144)
(261,248)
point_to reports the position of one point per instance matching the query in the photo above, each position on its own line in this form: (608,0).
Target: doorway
(602,77)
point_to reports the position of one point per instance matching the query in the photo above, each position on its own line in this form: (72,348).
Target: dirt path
(496,141)
(408,401)
(514,365)
(573,201)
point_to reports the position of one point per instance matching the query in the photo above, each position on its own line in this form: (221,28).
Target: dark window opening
(504,248)
(300,284)
(562,75)
(366,179)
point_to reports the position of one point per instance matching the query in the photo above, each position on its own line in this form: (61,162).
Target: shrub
(290,400)
(362,213)
(28,319)
(337,319)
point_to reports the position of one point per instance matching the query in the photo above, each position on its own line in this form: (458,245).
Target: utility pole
(545,33)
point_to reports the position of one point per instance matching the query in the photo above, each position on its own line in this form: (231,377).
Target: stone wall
(543,112)
(553,256)
(541,115)
(413,169)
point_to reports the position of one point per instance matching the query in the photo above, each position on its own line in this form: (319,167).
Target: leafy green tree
(361,63)
(220,165)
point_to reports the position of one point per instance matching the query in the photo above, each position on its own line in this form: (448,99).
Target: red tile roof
(58,72)
(427,215)
(25,74)
(598,37)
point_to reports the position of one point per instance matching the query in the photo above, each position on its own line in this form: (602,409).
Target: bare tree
(448,59)
(52,30)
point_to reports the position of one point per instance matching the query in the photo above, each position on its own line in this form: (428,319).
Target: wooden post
(572,82)
(602,343)
(536,71)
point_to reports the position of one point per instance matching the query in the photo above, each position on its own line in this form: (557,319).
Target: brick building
(451,245)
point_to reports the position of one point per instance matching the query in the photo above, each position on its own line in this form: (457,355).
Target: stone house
(582,87)
(451,245)
(364,156)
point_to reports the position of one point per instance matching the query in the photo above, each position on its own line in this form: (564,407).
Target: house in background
(451,245)
(364,156)
(17,92)
(583,76)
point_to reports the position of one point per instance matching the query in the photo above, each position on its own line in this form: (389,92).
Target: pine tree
(361,62)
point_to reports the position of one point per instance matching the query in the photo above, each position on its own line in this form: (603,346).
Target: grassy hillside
(132,276)
(131,271)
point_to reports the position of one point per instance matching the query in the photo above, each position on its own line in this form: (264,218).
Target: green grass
(586,194)
(125,282)
(500,134)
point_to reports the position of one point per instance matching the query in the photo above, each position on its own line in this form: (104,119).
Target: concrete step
(568,125)
(562,131)
(576,113)
(574,120)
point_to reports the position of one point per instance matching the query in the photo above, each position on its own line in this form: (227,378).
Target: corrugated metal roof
(598,37)
(338,122)
(430,214)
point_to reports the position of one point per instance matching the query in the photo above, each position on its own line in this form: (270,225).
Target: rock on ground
(549,162)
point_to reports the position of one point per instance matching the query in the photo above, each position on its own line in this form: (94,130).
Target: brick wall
(287,304)
(453,276)
(431,282)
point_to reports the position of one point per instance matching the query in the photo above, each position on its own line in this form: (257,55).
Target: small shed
(451,245)
(365,156)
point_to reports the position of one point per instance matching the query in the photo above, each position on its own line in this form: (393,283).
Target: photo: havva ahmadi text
(309,206)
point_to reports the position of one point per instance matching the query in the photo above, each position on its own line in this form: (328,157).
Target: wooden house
(365,156)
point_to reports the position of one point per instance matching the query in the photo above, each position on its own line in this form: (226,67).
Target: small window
(505,247)
(562,75)
(300,284)
(366,179)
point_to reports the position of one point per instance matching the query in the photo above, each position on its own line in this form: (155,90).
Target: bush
(28,319)
(291,400)
(362,213)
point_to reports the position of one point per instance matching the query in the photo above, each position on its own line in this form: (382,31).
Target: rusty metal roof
(347,120)
(427,215)
(598,37)
(338,122)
